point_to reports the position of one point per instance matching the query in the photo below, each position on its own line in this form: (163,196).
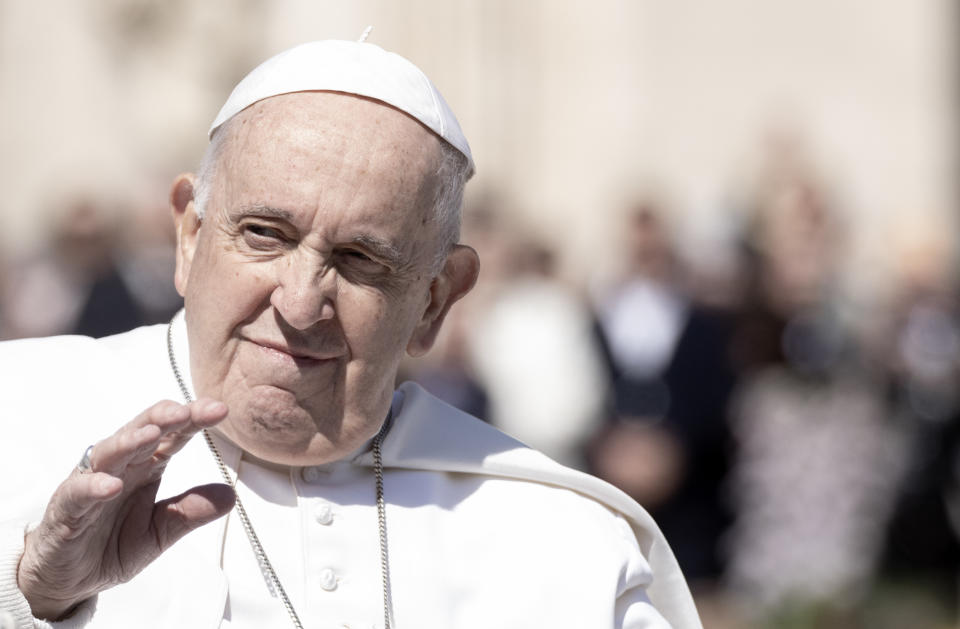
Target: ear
(458,276)
(187,224)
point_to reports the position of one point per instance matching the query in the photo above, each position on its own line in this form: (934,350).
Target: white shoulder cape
(432,435)
(61,392)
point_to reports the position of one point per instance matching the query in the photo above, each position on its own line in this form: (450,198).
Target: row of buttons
(323,514)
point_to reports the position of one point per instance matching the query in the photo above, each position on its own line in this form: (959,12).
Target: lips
(298,354)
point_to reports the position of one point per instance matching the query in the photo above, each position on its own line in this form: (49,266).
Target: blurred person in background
(146,261)
(818,459)
(72,284)
(98,274)
(534,352)
(917,344)
(670,375)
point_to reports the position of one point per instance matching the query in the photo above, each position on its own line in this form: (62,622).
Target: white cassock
(482,531)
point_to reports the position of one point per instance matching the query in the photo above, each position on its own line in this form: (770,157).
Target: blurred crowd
(798,448)
(100,270)
(801,456)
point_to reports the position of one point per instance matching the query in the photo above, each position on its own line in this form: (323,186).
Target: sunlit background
(719,244)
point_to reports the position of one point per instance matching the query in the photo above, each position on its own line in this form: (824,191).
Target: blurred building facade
(571,106)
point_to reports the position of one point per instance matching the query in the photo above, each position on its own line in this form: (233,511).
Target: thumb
(175,517)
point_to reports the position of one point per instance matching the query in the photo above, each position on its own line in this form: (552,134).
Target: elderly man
(316,245)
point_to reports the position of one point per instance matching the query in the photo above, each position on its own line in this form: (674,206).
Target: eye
(357,255)
(358,261)
(262,231)
(263,237)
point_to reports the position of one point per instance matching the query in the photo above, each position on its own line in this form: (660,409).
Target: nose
(305,293)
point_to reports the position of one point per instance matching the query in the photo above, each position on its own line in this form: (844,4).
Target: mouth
(301,357)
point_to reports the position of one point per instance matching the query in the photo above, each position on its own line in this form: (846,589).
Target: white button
(328,580)
(311,474)
(323,513)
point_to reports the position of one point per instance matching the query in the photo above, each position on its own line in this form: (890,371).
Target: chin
(273,425)
(271,420)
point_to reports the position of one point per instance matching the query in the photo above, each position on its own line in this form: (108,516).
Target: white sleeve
(14,609)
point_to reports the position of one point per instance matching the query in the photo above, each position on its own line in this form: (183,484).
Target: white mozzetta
(483,532)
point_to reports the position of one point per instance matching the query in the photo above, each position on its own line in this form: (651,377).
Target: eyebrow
(263,210)
(380,248)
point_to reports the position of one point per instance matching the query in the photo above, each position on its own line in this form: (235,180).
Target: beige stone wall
(571,106)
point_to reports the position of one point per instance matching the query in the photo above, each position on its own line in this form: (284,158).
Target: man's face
(309,275)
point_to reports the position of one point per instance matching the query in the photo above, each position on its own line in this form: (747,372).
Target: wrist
(34,587)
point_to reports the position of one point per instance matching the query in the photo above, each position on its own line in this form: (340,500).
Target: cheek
(227,288)
(375,325)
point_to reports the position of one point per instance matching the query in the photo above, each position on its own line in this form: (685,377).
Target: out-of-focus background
(719,245)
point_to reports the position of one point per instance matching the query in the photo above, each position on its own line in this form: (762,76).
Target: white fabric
(483,532)
(353,68)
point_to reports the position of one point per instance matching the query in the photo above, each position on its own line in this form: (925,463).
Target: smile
(280,353)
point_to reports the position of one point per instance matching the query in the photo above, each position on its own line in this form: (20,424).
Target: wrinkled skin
(311,273)
(305,282)
(102,528)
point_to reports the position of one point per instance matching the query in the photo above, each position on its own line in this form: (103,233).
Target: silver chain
(273,581)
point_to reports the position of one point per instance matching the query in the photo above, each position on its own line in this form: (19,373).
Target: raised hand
(103,527)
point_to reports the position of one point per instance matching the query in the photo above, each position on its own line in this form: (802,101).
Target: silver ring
(85,465)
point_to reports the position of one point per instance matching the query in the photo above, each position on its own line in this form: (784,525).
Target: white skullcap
(354,68)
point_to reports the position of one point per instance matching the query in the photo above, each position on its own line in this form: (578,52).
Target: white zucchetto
(354,68)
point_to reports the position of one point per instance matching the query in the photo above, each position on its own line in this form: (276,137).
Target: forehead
(317,150)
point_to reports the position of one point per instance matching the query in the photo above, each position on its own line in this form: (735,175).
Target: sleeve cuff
(14,608)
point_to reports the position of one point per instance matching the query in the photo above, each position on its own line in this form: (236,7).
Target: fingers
(139,438)
(76,499)
(150,439)
(128,445)
(204,413)
(175,517)
(155,435)
(208,412)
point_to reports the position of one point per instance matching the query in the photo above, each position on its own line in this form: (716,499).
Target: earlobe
(187,224)
(457,278)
